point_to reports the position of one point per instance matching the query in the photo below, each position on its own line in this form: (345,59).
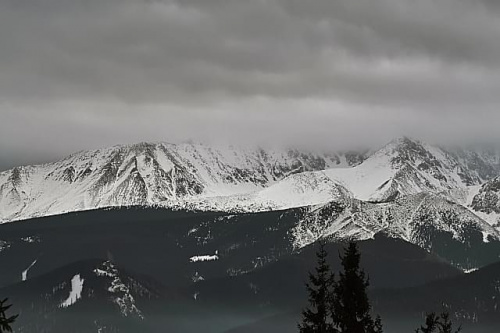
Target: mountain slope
(175,246)
(146,174)
(255,273)
(432,222)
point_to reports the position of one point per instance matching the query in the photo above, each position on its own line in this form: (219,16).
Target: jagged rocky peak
(488,199)
(472,167)
(405,150)
(409,150)
(403,166)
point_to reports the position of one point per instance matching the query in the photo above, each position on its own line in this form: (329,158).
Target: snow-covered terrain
(150,174)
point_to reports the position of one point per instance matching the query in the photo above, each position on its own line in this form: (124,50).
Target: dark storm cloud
(80,74)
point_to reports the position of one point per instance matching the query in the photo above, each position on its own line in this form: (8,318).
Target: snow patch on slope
(75,293)
(300,190)
(24,275)
(365,180)
(204,258)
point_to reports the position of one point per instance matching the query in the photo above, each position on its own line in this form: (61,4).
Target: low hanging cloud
(86,73)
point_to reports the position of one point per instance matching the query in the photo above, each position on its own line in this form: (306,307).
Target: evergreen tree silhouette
(431,324)
(435,323)
(6,322)
(350,306)
(316,318)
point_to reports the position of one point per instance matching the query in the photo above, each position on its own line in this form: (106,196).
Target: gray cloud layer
(88,73)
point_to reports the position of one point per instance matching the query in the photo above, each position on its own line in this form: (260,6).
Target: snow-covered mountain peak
(150,174)
(400,168)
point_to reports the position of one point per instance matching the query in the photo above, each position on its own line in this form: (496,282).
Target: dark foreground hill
(157,270)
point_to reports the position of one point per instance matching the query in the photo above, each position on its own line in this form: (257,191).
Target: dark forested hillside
(177,268)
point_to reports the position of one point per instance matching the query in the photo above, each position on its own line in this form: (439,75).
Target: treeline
(341,305)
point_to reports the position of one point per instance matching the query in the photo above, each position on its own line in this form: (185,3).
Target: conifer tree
(431,324)
(446,326)
(350,305)
(316,318)
(435,324)
(5,322)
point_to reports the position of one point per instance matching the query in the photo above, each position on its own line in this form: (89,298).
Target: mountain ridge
(372,186)
(146,174)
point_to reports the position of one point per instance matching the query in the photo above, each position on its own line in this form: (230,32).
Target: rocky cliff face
(488,198)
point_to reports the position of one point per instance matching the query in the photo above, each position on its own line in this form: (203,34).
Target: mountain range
(389,189)
(151,174)
(121,238)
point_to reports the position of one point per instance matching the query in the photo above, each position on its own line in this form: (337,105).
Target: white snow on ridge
(364,180)
(298,190)
(121,292)
(75,293)
(24,275)
(148,174)
(389,170)
(204,258)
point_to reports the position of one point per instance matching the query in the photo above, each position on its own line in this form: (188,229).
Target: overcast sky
(79,74)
